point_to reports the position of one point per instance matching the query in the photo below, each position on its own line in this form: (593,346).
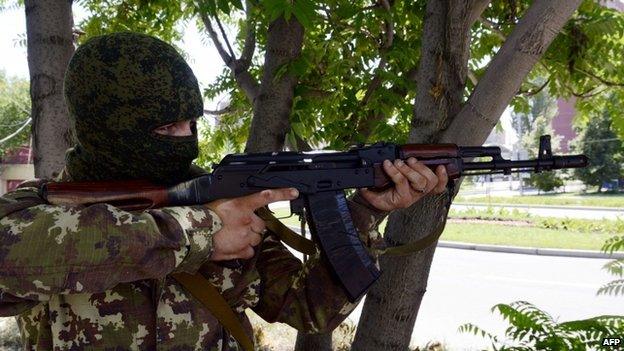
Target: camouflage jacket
(96,277)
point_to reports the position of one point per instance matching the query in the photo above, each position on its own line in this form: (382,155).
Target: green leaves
(157,17)
(14,112)
(615,267)
(343,47)
(303,10)
(531,328)
(601,145)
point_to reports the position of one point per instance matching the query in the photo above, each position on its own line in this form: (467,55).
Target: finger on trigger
(261,199)
(268,196)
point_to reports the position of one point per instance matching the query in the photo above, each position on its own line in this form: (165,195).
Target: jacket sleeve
(47,249)
(306,295)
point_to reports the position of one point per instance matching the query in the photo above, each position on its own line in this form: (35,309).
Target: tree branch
(273,103)
(225,38)
(239,68)
(492,26)
(215,39)
(536,91)
(508,69)
(587,94)
(600,79)
(219,112)
(473,77)
(443,65)
(249,45)
(389,24)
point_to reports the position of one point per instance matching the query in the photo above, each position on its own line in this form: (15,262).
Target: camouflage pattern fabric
(118,88)
(96,278)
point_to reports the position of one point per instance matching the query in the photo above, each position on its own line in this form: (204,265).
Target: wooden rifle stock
(128,195)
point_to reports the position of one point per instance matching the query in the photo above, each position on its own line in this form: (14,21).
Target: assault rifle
(321,178)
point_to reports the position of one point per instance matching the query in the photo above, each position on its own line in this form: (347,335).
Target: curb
(520,250)
(530,250)
(582,208)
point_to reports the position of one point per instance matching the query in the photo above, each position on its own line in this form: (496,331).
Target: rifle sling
(285,234)
(412,247)
(306,246)
(207,294)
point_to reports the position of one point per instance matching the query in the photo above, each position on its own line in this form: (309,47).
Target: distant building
(615,4)
(562,123)
(16,167)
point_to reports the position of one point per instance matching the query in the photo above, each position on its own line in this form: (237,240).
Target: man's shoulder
(27,194)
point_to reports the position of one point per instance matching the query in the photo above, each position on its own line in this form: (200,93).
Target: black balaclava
(119,88)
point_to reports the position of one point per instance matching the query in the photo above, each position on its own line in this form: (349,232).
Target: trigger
(296,206)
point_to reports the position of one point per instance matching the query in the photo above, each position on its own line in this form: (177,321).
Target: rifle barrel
(539,164)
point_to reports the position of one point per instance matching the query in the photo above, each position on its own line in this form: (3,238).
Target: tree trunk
(271,120)
(50,46)
(313,342)
(505,73)
(392,305)
(273,103)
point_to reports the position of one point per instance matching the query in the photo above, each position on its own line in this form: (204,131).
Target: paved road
(553,211)
(464,285)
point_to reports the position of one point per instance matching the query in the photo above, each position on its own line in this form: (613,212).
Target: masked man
(98,278)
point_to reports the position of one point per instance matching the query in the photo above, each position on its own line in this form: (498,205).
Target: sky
(204,60)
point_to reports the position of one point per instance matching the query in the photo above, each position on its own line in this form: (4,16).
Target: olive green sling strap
(307,246)
(201,288)
(209,296)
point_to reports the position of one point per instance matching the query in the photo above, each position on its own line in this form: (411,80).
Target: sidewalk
(530,250)
(519,249)
(555,207)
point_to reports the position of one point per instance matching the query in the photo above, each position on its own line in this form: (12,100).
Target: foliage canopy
(599,142)
(357,68)
(14,112)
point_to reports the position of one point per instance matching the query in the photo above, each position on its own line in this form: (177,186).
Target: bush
(599,142)
(531,328)
(546,181)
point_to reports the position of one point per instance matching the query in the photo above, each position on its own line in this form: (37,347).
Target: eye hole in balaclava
(119,88)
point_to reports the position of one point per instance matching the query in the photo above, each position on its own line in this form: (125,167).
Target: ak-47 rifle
(321,178)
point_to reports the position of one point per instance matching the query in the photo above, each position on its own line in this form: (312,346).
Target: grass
(592,199)
(497,234)
(611,227)
(541,232)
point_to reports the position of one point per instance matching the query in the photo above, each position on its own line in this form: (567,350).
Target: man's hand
(242,229)
(412,181)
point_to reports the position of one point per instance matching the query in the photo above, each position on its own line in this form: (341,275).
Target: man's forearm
(366,219)
(59,249)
